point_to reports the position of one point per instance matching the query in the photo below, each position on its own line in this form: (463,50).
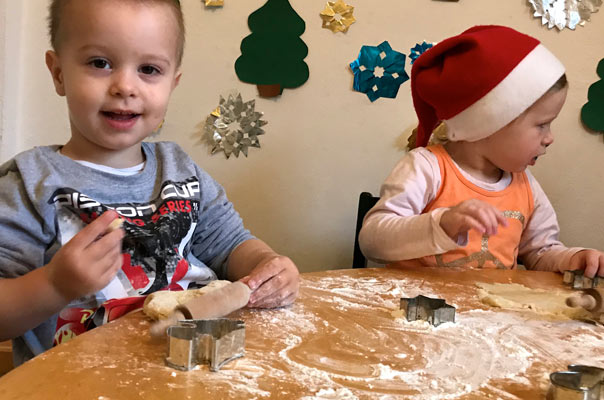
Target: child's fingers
(469,222)
(109,242)
(488,219)
(93,230)
(260,275)
(501,219)
(113,268)
(594,263)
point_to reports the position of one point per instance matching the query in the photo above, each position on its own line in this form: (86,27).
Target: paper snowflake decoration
(234,126)
(379,71)
(418,50)
(337,16)
(564,13)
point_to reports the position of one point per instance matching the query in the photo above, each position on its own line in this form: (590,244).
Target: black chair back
(366,202)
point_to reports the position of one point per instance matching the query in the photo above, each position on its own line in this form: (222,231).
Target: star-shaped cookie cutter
(580,382)
(210,341)
(577,280)
(435,311)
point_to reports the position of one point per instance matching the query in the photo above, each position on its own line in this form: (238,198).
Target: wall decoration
(337,16)
(592,113)
(379,71)
(234,126)
(418,50)
(214,3)
(272,56)
(564,13)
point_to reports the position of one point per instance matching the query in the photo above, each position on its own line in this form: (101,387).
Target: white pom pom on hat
(479,81)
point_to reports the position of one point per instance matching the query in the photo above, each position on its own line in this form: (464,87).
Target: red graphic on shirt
(135,273)
(154,249)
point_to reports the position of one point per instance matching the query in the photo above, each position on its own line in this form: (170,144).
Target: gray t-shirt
(180,226)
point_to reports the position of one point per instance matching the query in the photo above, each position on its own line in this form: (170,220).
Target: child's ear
(54,66)
(176,79)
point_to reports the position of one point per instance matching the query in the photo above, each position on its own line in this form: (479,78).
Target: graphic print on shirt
(155,249)
(484,256)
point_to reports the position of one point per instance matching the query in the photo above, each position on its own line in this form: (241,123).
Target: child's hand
(274,282)
(592,261)
(472,214)
(89,261)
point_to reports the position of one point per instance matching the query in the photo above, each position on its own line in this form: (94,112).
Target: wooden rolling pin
(589,299)
(214,304)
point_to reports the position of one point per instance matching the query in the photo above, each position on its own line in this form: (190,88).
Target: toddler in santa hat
(471,202)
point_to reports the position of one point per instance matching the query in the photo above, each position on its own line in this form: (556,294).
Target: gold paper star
(214,3)
(337,16)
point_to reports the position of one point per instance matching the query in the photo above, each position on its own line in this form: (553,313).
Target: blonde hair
(56,11)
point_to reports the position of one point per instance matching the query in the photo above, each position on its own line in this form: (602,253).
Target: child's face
(117,66)
(518,144)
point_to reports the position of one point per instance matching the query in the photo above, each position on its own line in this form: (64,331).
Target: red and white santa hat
(479,81)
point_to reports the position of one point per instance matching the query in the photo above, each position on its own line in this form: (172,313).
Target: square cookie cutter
(435,311)
(577,280)
(210,341)
(580,382)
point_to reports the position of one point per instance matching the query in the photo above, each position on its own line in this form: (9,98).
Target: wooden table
(339,341)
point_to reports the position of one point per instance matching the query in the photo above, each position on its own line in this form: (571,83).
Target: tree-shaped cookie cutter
(210,341)
(435,311)
(580,382)
(577,280)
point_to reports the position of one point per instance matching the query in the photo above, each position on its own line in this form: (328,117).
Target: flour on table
(159,305)
(543,302)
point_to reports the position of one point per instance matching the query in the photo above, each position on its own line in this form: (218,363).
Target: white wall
(324,142)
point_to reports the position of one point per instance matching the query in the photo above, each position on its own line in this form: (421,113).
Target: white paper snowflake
(564,13)
(234,126)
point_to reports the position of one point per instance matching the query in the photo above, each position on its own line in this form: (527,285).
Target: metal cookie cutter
(210,341)
(435,311)
(577,280)
(580,382)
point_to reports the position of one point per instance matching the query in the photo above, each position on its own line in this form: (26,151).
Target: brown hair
(560,84)
(56,10)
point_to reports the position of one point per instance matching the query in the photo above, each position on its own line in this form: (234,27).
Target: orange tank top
(482,251)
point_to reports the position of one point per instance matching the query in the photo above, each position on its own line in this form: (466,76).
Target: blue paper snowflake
(379,71)
(418,50)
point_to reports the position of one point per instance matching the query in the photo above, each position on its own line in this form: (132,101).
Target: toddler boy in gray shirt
(116,62)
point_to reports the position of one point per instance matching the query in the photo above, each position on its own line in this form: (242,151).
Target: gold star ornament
(214,3)
(337,16)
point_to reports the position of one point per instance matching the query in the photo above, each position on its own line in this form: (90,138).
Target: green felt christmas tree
(272,56)
(592,112)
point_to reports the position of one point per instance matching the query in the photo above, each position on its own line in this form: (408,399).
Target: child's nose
(123,84)
(548,139)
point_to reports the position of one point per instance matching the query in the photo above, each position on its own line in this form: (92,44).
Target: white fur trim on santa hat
(522,87)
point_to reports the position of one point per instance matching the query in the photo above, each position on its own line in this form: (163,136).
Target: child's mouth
(121,120)
(119,116)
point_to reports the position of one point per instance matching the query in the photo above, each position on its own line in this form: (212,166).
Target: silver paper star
(564,13)
(234,126)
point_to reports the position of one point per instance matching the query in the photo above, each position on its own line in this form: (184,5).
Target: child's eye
(149,70)
(100,63)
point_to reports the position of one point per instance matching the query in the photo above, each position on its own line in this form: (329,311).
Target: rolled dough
(159,305)
(544,302)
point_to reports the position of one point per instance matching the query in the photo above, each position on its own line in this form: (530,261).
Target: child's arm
(84,265)
(540,248)
(395,229)
(273,278)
